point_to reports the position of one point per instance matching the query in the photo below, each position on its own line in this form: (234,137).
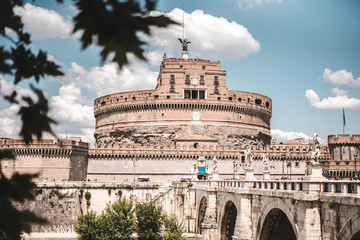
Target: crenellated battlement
(344,139)
(44,146)
(63,160)
(275,152)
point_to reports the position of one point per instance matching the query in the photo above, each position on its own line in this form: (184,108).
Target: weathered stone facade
(65,160)
(191,99)
(344,150)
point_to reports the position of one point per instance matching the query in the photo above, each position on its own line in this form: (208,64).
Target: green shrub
(332,204)
(87,196)
(119,193)
(37,191)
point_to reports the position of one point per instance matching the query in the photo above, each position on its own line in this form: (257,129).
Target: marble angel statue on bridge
(314,148)
(265,161)
(249,156)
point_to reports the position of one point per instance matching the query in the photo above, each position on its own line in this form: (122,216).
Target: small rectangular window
(172,77)
(187,94)
(187,77)
(194,94)
(201,94)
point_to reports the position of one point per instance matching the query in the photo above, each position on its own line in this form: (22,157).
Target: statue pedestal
(249,173)
(315,171)
(215,176)
(266,174)
(185,54)
(194,175)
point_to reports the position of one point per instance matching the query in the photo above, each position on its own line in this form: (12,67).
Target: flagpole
(344,122)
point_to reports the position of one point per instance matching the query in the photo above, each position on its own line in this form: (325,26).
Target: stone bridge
(266,210)
(216,210)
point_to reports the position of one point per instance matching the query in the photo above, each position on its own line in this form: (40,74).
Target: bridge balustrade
(305,186)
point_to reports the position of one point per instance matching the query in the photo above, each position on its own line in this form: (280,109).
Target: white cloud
(6,88)
(337,102)
(67,108)
(108,79)
(9,122)
(43,23)
(74,114)
(211,37)
(282,136)
(339,92)
(248,4)
(341,77)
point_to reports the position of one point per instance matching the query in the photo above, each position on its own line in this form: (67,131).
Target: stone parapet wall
(63,160)
(344,139)
(274,152)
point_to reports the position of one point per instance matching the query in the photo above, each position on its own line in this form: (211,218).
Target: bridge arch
(202,203)
(276,214)
(228,221)
(351,229)
(201,213)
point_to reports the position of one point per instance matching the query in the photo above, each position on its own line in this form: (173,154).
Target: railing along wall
(332,187)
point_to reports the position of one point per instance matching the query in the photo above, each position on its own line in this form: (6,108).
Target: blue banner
(202,170)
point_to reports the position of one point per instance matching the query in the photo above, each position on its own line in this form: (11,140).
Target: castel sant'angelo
(191,124)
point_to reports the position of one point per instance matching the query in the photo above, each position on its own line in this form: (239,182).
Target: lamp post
(134,164)
(355,174)
(283,162)
(289,165)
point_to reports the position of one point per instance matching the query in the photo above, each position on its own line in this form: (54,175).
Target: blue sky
(304,55)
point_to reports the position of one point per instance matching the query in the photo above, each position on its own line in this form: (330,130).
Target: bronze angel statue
(184,44)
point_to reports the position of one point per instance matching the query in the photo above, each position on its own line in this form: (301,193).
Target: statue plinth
(266,174)
(215,175)
(194,175)
(315,171)
(249,173)
(185,54)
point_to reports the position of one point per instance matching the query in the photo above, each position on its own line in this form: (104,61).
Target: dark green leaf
(27,65)
(34,117)
(11,98)
(4,58)
(114,25)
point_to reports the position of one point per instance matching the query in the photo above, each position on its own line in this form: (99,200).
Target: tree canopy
(121,220)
